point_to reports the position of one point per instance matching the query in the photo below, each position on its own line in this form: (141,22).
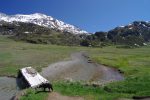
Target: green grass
(133,85)
(33,95)
(87,92)
(75,89)
(15,55)
(130,61)
(135,63)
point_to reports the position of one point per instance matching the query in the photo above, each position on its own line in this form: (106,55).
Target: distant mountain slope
(137,32)
(38,34)
(134,34)
(42,20)
(13,28)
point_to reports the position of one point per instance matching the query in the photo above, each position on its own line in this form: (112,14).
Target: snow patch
(144,44)
(122,26)
(131,28)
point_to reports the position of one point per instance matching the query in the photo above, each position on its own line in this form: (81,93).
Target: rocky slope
(137,28)
(136,33)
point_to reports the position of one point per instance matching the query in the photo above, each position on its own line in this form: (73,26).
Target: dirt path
(57,96)
(80,68)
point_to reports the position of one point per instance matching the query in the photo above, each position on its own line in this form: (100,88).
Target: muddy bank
(8,88)
(80,68)
(57,96)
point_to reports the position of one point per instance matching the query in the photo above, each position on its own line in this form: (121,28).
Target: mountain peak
(33,16)
(42,20)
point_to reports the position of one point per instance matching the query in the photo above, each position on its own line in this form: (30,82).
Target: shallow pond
(8,88)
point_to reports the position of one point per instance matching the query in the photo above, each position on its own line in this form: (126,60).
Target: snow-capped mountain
(42,20)
(141,24)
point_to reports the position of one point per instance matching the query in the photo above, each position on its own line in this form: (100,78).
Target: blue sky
(90,15)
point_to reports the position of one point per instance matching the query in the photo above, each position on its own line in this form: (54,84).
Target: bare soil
(57,96)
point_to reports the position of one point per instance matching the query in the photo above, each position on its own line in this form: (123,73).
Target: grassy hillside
(36,34)
(134,63)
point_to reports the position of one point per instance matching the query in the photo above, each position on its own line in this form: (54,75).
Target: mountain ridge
(43,20)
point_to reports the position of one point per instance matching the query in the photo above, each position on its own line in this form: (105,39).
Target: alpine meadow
(74,50)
